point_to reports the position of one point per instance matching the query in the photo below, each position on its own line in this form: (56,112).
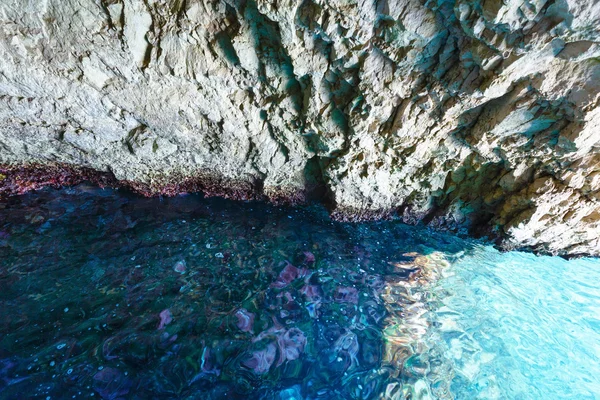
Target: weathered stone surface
(461,114)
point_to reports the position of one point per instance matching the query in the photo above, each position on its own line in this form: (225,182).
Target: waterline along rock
(476,115)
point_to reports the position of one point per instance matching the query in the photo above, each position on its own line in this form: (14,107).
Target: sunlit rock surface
(478,115)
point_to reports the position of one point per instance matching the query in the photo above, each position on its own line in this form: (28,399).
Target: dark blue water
(108,295)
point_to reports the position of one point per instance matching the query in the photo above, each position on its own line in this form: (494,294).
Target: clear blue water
(516,326)
(108,295)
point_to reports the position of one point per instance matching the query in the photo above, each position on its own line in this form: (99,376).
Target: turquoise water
(516,326)
(108,295)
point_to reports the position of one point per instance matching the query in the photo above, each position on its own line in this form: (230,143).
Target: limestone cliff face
(478,114)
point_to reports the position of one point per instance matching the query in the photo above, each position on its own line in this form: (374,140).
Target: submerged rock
(261,360)
(287,275)
(180,267)
(245,320)
(165,319)
(111,383)
(460,114)
(309,257)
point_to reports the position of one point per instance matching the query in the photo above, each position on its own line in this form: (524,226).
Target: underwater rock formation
(475,115)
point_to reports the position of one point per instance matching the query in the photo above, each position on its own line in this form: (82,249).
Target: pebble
(180,267)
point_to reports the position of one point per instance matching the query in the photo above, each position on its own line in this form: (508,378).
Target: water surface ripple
(518,326)
(109,295)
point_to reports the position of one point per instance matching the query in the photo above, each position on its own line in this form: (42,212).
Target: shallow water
(516,326)
(108,295)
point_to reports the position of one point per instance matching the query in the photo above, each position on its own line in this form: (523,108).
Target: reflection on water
(116,296)
(407,304)
(108,295)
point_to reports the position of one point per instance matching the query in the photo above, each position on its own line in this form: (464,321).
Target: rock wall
(480,115)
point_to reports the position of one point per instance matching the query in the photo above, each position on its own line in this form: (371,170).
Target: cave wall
(469,115)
